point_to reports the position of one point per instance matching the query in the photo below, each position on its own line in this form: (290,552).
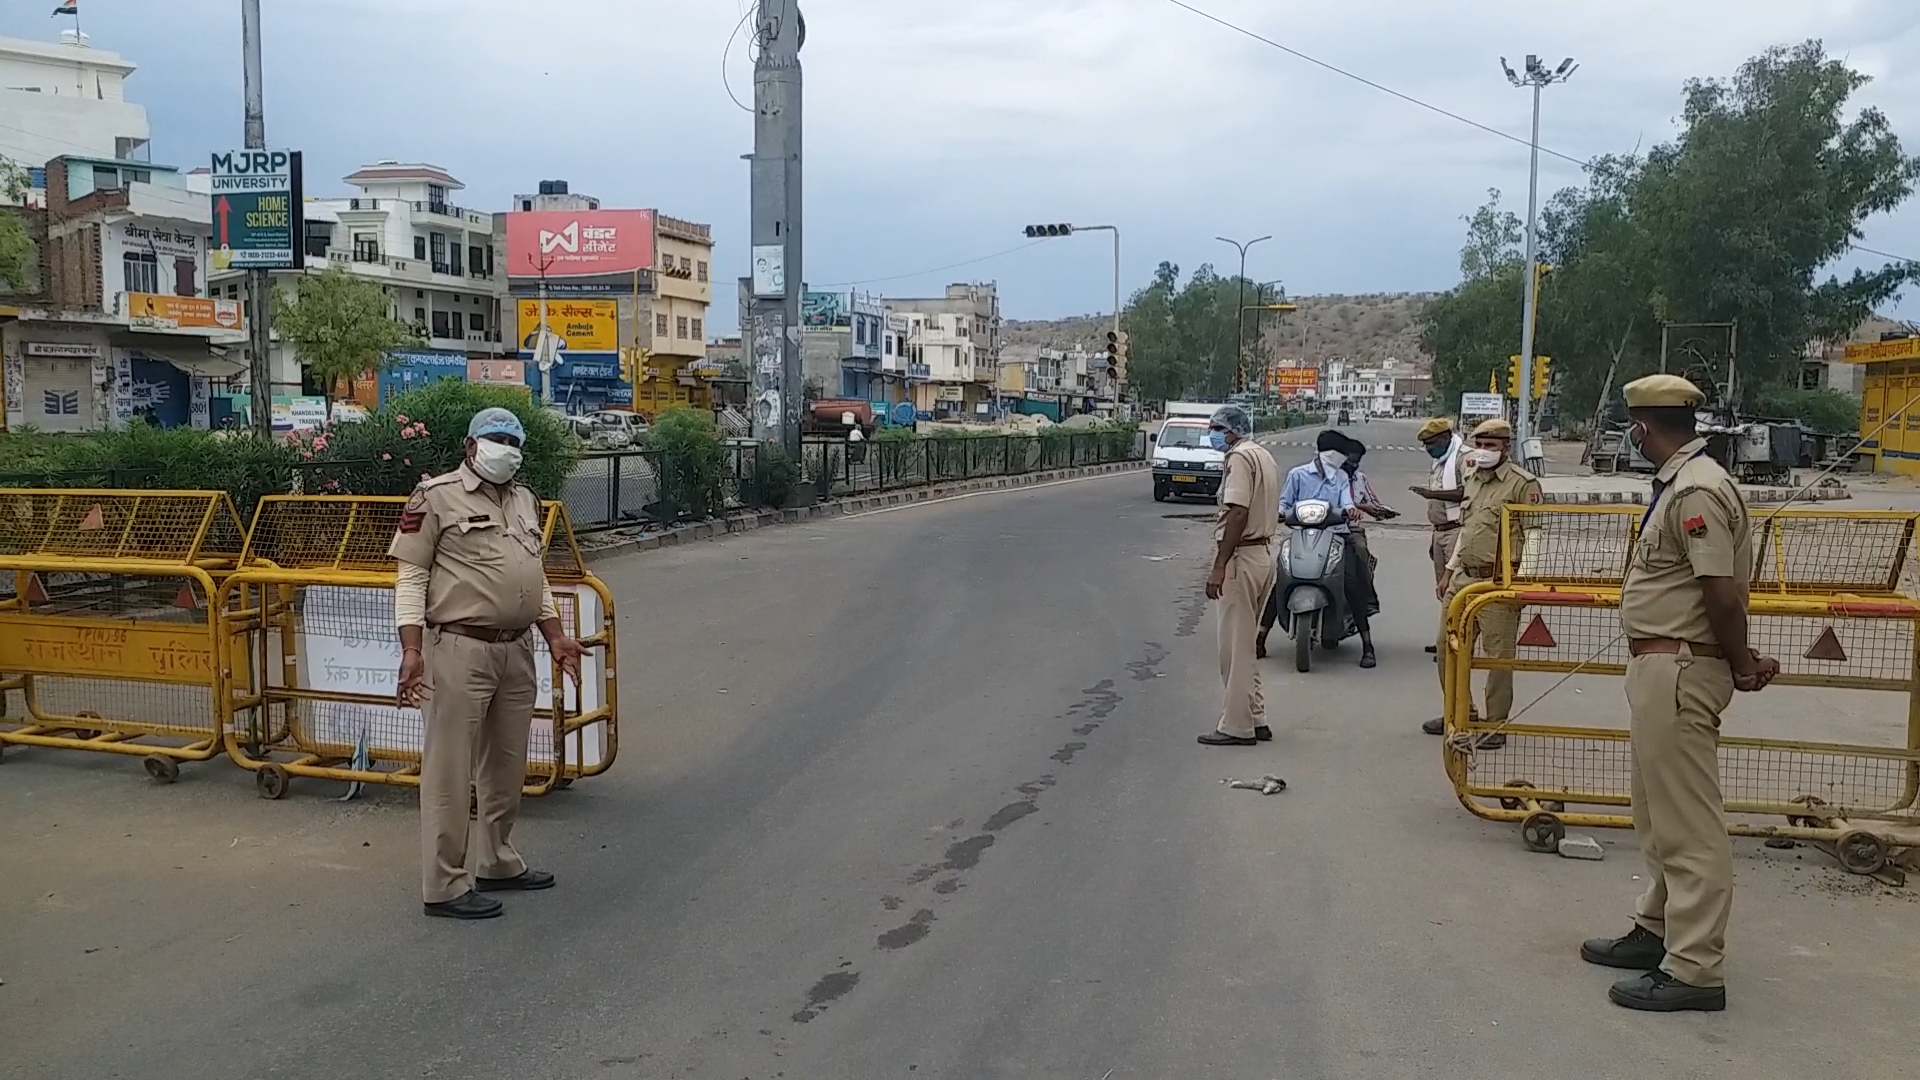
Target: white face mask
(496,463)
(1483,459)
(1332,459)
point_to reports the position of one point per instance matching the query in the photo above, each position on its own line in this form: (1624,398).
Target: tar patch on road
(1096,704)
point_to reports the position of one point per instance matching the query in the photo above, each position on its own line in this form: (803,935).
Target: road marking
(989,491)
(1307,444)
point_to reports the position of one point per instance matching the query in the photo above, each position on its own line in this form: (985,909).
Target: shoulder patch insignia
(411,520)
(1696,527)
(1533,497)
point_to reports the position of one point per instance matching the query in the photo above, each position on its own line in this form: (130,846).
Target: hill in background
(1364,328)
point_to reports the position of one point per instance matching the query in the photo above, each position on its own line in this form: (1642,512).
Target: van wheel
(1160,493)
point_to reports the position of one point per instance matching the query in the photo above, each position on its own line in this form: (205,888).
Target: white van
(1184,462)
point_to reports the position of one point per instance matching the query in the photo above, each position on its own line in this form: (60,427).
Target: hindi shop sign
(257,219)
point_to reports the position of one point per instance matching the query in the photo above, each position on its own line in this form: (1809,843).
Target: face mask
(1438,450)
(497,463)
(1483,459)
(1217,440)
(1332,459)
(1637,435)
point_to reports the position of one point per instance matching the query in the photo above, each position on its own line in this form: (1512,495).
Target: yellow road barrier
(308,617)
(109,631)
(1856,792)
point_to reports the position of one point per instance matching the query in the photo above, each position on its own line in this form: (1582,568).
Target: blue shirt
(1309,482)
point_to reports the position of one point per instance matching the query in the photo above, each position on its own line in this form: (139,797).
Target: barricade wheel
(162,768)
(1542,832)
(563,783)
(272,781)
(1861,852)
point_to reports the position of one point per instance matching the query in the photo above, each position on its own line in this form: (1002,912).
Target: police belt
(481,633)
(1671,647)
(1448,527)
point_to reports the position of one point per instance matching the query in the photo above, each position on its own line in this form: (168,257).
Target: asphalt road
(915,794)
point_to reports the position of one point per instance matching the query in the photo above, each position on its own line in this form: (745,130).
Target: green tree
(341,326)
(17,253)
(1181,338)
(1771,180)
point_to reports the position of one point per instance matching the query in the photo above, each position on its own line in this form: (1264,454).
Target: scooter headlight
(1310,513)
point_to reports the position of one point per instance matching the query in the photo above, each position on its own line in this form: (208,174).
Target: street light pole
(1537,78)
(259,284)
(1240,321)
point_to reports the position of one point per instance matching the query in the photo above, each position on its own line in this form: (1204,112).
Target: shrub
(423,432)
(774,474)
(1824,409)
(692,462)
(142,456)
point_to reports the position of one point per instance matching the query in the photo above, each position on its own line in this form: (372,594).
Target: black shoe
(1640,950)
(1366,657)
(470,906)
(1260,646)
(1433,649)
(1435,726)
(1492,741)
(524,881)
(1221,738)
(1263,733)
(1657,991)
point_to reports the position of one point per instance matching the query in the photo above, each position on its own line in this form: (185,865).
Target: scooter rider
(1324,478)
(1368,501)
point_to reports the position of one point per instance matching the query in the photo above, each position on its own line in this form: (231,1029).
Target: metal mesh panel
(117,705)
(164,526)
(353,533)
(1572,545)
(1566,767)
(1820,552)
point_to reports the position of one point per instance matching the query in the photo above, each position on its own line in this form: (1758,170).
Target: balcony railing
(458,213)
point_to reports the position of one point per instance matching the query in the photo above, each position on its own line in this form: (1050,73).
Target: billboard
(582,325)
(154,311)
(1874,352)
(579,243)
(256,202)
(822,309)
(1293,380)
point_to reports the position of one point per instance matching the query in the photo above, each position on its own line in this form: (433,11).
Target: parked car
(614,429)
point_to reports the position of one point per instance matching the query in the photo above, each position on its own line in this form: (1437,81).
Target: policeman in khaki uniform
(1683,607)
(1446,448)
(472,583)
(1243,572)
(1492,481)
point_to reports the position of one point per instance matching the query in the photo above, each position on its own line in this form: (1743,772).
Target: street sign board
(257,219)
(1483,405)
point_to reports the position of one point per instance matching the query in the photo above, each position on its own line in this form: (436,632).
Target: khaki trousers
(1676,702)
(1499,627)
(1250,574)
(1440,548)
(477,721)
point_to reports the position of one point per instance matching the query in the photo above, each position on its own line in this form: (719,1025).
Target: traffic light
(1116,342)
(1541,366)
(1513,375)
(1035,232)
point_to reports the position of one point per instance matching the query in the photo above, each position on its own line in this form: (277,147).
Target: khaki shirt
(1252,481)
(1696,528)
(1487,490)
(483,549)
(1446,513)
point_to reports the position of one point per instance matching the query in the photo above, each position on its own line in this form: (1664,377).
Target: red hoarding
(578,243)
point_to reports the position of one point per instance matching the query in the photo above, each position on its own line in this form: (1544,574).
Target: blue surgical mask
(1439,450)
(1217,440)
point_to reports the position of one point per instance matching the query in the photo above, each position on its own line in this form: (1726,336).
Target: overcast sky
(937,128)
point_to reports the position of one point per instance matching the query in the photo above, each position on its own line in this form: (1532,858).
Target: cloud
(935,130)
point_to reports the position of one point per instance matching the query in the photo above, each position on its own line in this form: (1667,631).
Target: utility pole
(776,284)
(1240,320)
(259,284)
(1538,77)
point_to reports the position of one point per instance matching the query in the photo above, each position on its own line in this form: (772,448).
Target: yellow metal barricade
(309,615)
(1849,664)
(109,631)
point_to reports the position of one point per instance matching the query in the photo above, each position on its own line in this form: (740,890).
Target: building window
(475,258)
(142,272)
(686,265)
(440,327)
(419,247)
(366,247)
(477,322)
(699,331)
(436,197)
(666,261)
(659,326)
(420,316)
(680,326)
(700,270)
(527,205)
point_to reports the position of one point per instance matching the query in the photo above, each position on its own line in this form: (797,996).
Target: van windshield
(1184,436)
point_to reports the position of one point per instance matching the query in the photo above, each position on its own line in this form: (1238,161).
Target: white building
(1368,388)
(437,260)
(66,99)
(944,344)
